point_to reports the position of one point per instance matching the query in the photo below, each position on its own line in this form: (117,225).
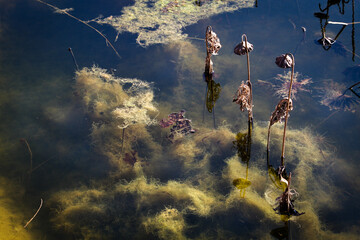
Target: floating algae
(114,104)
(162,21)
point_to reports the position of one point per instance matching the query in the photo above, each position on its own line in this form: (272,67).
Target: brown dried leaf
(280,111)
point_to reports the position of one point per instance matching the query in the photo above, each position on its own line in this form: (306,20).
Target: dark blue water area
(37,84)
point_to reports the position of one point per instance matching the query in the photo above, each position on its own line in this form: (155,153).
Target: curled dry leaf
(280,111)
(284,61)
(242,97)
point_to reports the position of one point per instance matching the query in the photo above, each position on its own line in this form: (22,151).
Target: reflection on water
(92,143)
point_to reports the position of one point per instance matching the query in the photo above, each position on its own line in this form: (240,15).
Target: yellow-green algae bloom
(162,21)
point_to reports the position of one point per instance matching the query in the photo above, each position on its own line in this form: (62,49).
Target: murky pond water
(99,148)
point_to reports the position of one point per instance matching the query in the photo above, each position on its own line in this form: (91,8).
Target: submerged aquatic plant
(181,126)
(212,48)
(286,200)
(243,145)
(335,97)
(243,95)
(299,84)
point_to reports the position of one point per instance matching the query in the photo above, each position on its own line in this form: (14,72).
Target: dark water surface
(96,187)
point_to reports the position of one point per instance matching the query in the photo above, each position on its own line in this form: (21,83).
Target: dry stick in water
(250,113)
(58,10)
(41,203)
(29,149)
(74,59)
(244,93)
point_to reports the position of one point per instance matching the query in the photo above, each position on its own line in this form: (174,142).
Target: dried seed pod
(280,111)
(242,97)
(213,42)
(240,49)
(284,61)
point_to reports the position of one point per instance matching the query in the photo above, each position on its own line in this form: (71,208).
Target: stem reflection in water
(243,146)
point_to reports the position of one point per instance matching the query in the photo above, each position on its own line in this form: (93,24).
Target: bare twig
(41,203)
(62,11)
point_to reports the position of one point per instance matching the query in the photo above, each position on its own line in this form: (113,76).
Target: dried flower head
(242,97)
(213,42)
(240,49)
(284,61)
(280,111)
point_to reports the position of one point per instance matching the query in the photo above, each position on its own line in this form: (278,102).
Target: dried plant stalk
(41,203)
(243,95)
(212,48)
(287,108)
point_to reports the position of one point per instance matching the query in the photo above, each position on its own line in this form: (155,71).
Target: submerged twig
(41,203)
(74,59)
(65,11)
(30,152)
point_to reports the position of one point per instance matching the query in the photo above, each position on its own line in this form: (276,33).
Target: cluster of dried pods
(243,97)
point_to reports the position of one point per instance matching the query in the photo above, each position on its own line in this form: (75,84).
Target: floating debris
(164,21)
(326,41)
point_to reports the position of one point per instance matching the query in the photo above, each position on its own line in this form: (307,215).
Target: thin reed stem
(30,152)
(41,203)
(65,12)
(250,114)
(74,59)
(287,108)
